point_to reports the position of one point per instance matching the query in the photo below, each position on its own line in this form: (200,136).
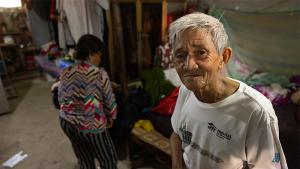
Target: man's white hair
(200,21)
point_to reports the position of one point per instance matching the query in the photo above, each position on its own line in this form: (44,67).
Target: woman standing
(88,106)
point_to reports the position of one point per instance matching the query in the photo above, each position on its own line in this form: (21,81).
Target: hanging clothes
(64,34)
(82,17)
(39,27)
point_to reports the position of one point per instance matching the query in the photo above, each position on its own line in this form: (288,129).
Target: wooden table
(151,142)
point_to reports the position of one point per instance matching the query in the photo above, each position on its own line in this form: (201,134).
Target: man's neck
(215,92)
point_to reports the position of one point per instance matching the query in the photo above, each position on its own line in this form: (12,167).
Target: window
(10,3)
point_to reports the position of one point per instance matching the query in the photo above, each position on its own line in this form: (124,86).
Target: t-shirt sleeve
(178,107)
(263,148)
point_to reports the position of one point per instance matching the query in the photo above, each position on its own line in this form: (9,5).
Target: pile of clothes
(52,60)
(277,88)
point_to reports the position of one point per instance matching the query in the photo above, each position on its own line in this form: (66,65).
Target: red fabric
(52,9)
(28,4)
(167,104)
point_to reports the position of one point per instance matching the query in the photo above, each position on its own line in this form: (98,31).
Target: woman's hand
(55,85)
(110,123)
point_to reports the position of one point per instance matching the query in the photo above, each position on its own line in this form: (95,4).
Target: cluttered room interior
(149,84)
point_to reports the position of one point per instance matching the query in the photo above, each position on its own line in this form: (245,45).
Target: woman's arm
(109,101)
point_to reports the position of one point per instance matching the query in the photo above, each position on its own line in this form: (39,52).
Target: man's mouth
(192,75)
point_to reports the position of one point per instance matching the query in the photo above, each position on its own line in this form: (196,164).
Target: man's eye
(200,52)
(179,56)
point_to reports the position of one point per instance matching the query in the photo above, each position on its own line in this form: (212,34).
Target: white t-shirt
(240,130)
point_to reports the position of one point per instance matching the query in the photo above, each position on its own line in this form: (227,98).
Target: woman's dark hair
(88,44)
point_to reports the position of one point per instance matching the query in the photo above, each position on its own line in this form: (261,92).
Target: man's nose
(190,62)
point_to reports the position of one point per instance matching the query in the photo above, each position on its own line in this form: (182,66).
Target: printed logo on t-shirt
(207,153)
(211,127)
(186,135)
(276,158)
(276,161)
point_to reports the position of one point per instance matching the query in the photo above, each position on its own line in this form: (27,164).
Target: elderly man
(218,122)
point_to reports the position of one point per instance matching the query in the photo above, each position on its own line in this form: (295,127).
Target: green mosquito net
(264,34)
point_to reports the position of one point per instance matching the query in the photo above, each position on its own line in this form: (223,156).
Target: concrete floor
(33,127)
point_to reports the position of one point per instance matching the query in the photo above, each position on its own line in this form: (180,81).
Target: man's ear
(226,55)
(227,52)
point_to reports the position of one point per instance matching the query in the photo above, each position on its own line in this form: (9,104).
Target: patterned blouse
(86,97)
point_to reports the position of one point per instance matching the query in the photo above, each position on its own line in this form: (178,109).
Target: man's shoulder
(183,95)
(261,105)
(183,89)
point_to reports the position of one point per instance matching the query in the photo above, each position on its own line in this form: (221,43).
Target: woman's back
(83,96)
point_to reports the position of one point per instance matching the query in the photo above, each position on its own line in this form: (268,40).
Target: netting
(264,34)
(264,6)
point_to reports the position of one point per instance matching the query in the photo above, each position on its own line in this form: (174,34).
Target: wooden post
(120,43)
(139,34)
(110,45)
(164,19)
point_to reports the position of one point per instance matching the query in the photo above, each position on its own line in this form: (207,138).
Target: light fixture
(10,3)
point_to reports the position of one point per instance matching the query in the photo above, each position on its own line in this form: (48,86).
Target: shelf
(29,49)
(3,45)
(24,50)
(10,33)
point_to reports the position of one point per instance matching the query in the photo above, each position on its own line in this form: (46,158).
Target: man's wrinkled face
(196,59)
